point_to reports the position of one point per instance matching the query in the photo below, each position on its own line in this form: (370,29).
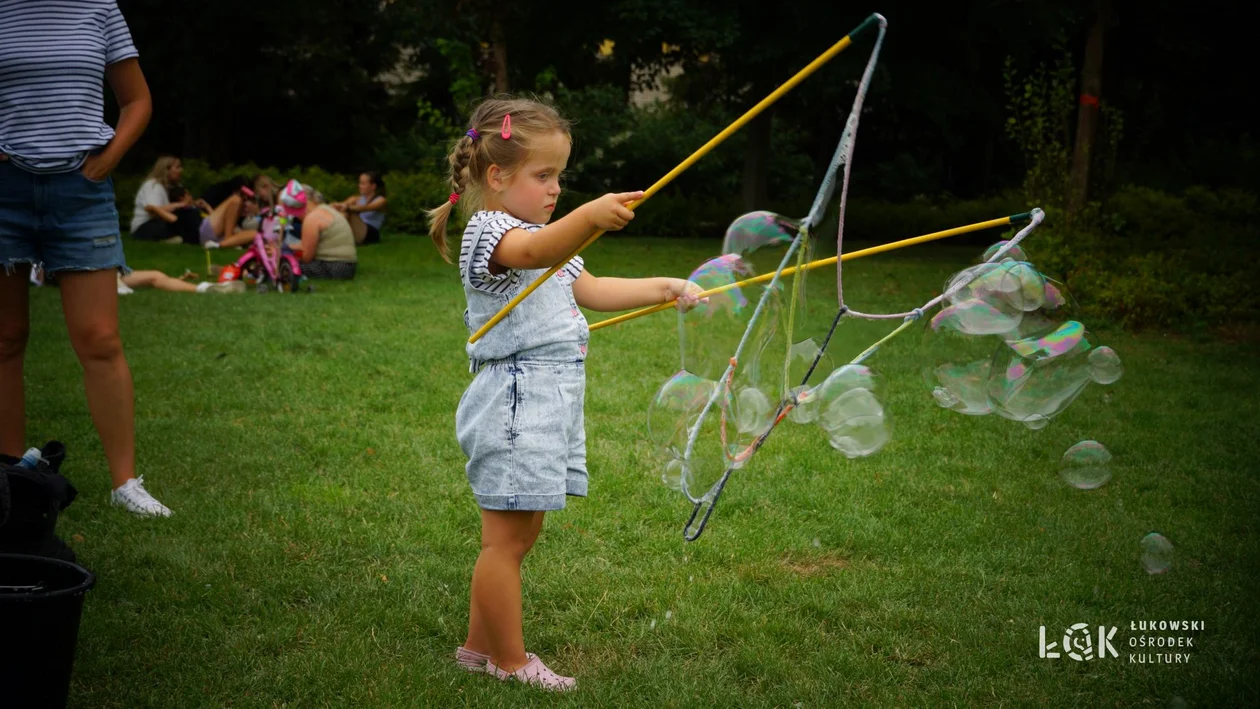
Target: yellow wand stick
(694,157)
(891,246)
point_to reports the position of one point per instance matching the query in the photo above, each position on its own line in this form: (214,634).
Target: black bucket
(41,601)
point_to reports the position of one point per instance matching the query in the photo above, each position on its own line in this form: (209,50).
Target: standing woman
(57,207)
(365,211)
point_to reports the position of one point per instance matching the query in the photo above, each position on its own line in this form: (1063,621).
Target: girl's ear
(494,178)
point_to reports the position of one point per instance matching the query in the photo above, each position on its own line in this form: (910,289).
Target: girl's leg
(158,280)
(15,325)
(90,302)
(494,626)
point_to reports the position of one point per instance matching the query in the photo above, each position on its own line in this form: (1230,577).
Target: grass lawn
(324,534)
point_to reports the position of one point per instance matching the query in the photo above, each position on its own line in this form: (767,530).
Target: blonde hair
(470,158)
(160,168)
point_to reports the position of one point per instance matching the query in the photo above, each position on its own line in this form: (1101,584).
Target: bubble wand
(874,19)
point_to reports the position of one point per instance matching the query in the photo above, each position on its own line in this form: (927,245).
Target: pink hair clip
(506,130)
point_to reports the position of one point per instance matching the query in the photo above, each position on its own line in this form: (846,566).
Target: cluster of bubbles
(1006,340)
(733,411)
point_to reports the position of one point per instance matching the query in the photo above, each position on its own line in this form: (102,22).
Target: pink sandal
(536,673)
(471,661)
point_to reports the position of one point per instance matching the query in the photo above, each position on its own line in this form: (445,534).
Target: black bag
(36,496)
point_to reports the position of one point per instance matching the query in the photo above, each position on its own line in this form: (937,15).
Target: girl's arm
(545,248)
(376,205)
(162,213)
(134,109)
(612,294)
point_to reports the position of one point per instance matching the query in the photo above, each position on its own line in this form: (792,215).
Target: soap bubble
(956,370)
(849,410)
(755,230)
(1086,465)
(1024,388)
(802,356)
(673,414)
(1157,553)
(1105,366)
(1010,288)
(680,397)
(1014,254)
(711,332)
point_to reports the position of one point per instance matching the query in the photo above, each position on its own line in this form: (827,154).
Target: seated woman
(157,216)
(327,249)
(220,227)
(365,211)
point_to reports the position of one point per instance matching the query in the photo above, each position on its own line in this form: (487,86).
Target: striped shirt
(492,226)
(53,55)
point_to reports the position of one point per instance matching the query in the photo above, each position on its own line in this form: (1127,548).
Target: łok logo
(1079,644)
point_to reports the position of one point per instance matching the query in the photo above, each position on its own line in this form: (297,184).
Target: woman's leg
(15,325)
(494,625)
(357,227)
(240,238)
(158,280)
(224,215)
(153,230)
(90,302)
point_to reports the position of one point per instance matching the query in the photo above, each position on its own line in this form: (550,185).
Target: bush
(1152,259)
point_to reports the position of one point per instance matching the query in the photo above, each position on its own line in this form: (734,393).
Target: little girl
(520,421)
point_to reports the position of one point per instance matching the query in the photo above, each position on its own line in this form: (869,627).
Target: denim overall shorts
(520,420)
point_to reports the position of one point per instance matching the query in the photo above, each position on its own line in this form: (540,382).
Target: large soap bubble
(711,331)
(756,230)
(847,406)
(1034,390)
(673,414)
(958,358)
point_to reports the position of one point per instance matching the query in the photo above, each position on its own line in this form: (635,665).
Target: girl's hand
(610,212)
(686,293)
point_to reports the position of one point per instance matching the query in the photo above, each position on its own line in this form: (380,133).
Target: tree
(1089,108)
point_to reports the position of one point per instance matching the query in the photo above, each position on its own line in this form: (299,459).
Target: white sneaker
(137,500)
(211,245)
(123,288)
(224,287)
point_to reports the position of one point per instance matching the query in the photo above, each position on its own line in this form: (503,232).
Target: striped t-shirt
(492,226)
(53,55)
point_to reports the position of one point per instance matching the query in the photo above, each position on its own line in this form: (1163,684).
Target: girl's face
(366,186)
(531,192)
(174,172)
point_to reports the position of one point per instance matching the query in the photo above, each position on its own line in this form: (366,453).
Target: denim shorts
(520,424)
(63,220)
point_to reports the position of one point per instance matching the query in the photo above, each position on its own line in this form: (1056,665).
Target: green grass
(324,533)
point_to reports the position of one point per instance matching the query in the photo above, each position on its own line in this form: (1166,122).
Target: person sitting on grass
(366,210)
(327,249)
(220,228)
(158,211)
